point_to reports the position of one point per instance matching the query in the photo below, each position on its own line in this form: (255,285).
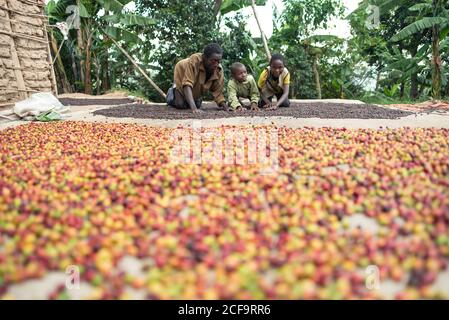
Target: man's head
(238,72)
(277,65)
(212,56)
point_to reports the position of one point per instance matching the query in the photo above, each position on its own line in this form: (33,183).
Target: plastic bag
(37,104)
(49,116)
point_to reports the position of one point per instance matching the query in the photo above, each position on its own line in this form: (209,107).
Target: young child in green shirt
(242,86)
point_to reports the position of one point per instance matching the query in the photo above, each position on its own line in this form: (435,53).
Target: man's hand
(239,109)
(254,106)
(196,110)
(223,106)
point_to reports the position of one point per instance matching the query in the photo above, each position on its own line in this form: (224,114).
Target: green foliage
(239,46)
(420,25)
(115,6)
(397,54)
(234,5)
(299,64)
(301,17)
(400,48)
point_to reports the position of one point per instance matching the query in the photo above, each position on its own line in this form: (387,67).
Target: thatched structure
(25,61)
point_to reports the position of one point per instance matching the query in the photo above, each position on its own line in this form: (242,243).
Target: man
(196,75)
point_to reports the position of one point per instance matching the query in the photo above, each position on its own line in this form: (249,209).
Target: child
(243,86)
(274,81)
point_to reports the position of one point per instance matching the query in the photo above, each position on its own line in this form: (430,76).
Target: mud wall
(25,64)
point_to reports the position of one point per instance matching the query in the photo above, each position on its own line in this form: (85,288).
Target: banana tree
(113,25)
(445,54)
(96,31)
(401,67)
(375,44)
(436,19)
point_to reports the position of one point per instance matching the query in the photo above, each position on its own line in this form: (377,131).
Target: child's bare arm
(265,100)
(284,95)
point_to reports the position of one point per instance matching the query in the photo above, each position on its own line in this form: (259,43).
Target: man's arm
(187,85)
(217,91)
(189,97)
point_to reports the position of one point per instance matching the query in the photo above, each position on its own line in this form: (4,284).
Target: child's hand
(254,106)
(274,106)
(239,109)
(223,106)
(267,105)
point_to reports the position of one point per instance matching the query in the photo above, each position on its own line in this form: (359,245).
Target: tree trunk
(421,89)
(105,82)
(80,53)
(378,79)
(402,89)
(317,76)
(98,82)
(414,93)
(87,76)
(436,64)
(262,34)
(217,7)
(436,57)
(98,70)
(66,87)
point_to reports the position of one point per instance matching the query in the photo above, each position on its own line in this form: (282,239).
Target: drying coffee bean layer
(306,110)
(89,195)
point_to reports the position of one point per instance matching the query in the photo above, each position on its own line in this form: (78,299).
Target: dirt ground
(98,102)
(427,107)
(111,95)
